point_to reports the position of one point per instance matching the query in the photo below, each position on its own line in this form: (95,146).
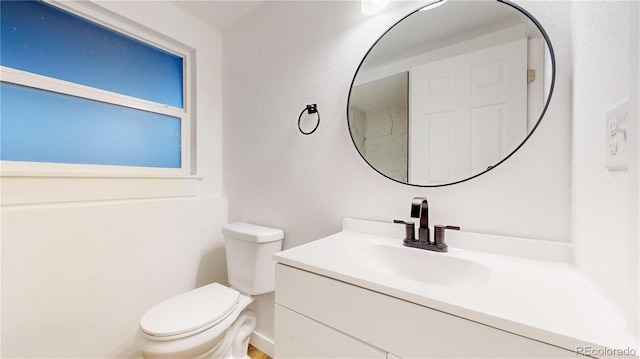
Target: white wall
(76,278)
(79,266)
(602,225)
(286,55)
(634,168)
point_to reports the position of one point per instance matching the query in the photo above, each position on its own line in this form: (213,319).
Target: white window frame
(185,114)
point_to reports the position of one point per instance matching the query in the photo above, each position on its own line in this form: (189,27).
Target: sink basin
(440,269)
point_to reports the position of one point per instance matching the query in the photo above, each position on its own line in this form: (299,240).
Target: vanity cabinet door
(297,336)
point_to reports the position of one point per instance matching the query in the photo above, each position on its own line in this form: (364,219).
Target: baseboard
(263,343)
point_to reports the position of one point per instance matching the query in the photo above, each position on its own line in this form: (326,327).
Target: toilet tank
(249,247)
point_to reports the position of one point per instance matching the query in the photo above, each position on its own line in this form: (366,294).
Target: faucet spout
(420,209)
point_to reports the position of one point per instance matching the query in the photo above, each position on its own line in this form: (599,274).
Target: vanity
(361,294)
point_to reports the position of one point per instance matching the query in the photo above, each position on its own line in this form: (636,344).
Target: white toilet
(213,321)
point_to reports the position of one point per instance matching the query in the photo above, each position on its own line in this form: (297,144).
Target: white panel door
(467,112)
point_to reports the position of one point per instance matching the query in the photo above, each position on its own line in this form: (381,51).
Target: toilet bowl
(213,321)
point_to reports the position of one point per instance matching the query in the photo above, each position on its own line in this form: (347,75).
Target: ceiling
(218,13)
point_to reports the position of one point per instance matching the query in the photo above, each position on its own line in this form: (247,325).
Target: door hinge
(531,76)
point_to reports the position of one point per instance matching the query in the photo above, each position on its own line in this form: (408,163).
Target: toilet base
(235,343)
(228,339)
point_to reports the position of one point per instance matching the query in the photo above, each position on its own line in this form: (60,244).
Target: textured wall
(289,54)
(600,32)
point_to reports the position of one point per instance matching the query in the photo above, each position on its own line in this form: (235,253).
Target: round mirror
(451,91)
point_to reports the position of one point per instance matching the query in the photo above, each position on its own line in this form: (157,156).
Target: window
(86,95)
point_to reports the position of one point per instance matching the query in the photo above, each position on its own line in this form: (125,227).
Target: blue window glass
(42,39)
(43,126)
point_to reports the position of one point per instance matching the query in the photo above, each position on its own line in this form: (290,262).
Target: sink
(440,269)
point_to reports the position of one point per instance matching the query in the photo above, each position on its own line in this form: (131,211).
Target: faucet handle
(409,230)
(439,233)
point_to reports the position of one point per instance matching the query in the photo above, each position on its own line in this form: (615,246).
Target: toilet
(213,321)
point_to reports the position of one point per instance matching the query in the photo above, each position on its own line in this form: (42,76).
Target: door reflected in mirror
(449,93)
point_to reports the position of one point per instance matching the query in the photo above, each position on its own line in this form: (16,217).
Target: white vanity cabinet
(320,317)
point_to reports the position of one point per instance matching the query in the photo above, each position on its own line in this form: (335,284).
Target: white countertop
(534,293)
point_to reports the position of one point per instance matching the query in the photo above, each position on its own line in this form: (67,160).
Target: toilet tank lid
(252,232)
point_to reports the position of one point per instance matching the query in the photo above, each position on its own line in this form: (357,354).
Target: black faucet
(420,209)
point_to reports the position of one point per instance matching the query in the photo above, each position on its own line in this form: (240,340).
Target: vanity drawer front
(300,337)
(397,326)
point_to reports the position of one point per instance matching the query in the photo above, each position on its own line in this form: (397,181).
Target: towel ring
(310,109)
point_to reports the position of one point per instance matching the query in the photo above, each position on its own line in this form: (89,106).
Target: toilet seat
(189,313)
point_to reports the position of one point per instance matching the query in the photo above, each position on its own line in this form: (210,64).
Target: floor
(254,353)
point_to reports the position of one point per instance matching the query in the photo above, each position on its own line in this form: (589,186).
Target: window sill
(19,188)
(29,174)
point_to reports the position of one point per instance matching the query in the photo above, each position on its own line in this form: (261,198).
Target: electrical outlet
(613,147)
(616,137)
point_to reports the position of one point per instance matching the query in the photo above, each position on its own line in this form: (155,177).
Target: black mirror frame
(544,110)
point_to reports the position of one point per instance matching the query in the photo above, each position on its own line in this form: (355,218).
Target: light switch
(613,126)
(616,137)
